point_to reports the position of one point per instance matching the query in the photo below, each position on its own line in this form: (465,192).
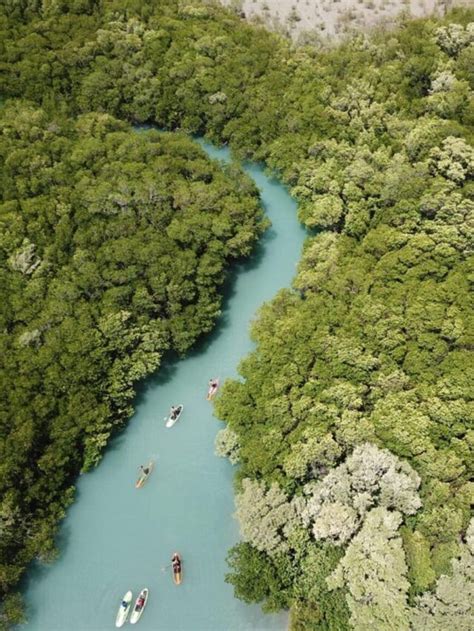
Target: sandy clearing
(316,20)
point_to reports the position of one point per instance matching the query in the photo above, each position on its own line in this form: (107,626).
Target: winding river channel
(117,538)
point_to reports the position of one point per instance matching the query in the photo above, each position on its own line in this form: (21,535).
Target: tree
(227,445)
(374,571)
(314,453)
(337,505)
(454,159)
(325,211)
(11,611)
(452,602)
(265,516)
(420,569)
(317,606)
(249,579)
(452,38)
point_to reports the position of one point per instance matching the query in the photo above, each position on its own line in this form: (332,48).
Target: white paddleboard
(171,421)
(124,608)
(137,610)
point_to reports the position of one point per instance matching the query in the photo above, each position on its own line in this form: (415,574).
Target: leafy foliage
(315,606)
(452,602)
(374,570)
(227,445)
(370,346)
(337,506)
(265,516)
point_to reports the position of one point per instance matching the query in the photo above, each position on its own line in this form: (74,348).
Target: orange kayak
(144,476)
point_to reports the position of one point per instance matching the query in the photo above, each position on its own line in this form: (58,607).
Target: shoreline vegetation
(114,246)
(356,515)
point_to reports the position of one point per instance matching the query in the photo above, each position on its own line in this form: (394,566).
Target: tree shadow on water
(160,377)
(38,570)
(115,441)
(228,292)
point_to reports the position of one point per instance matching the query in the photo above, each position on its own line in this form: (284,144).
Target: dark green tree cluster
(369,350)
(113,246)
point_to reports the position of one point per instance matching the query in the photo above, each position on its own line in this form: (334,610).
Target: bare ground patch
(330,19)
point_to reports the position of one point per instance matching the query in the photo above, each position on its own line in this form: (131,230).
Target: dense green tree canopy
(370,346)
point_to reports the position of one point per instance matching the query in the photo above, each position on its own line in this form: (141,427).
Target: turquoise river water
(117,538)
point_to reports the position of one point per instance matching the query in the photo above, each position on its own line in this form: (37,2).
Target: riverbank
(116,538)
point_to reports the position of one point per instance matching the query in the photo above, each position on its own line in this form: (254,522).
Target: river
(117,538)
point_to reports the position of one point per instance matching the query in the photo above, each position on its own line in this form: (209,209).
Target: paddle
(166,566)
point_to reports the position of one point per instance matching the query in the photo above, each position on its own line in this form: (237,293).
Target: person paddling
(176,562)
(174,411)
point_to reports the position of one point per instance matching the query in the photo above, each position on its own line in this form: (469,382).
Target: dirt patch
(330,19)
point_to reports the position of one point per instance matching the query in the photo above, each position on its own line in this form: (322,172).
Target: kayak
(144,476)
(124,608)
(140,605)
(177,573)
(171,421)
(213,389)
